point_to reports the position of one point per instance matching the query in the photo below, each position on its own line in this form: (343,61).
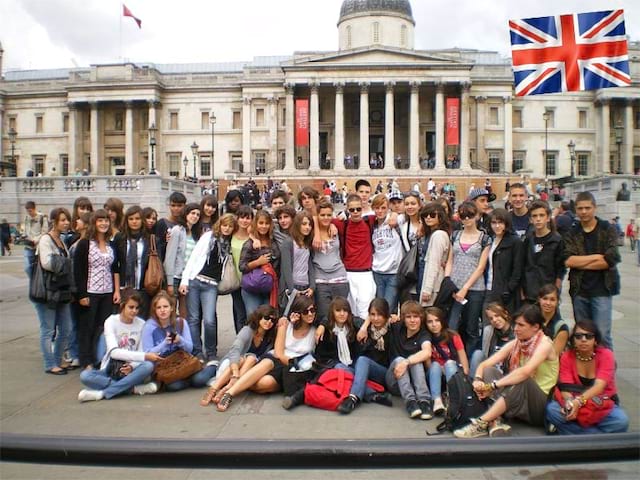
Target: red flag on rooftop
(127,13)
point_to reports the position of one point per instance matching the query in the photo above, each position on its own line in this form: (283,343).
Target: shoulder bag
(229,281)
(154,276)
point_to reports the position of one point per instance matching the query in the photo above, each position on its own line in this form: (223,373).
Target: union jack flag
(583,51)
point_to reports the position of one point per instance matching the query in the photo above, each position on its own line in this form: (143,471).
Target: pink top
(605,369)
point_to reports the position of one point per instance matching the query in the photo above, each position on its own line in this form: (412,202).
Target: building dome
(351,8)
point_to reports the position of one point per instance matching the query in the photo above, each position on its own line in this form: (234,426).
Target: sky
(39,34)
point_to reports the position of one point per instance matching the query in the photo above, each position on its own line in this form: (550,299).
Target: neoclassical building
(376,106)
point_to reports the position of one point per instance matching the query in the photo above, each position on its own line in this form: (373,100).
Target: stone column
(627,145)
(480,121)
(440,148)
(2,154)
(246,135)
(129,140)
(74,139)
(605,137)
(290,111)
(508,134)
(153,120)
(414,126)
(272,161)
(464,126)
(364,124)
(389,128)
(97,167)
(338,154)
(314,129)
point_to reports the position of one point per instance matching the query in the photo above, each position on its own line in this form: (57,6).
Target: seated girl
(252,342)
(496,335)
(294,344)
(554,326)
(447,352)
(122,334)
(587,373)
(337,345)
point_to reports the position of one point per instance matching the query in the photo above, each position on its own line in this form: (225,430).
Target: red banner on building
(302,123)
(453,121)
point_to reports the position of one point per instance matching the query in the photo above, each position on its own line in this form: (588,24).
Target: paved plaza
(34,403)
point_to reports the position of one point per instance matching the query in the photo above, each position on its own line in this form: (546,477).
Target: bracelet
(235,376)
(494,385)
(487,387)
(480,379)
(581,400)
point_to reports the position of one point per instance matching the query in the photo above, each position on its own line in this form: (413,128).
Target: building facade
(376,106)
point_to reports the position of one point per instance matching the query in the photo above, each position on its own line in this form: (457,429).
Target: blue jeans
(467,320)
(203,297)
(197,380)
(435,375)
(366,369)
(476,358)
(616,422)
(325,293)
(253,300)
(410,386)
(54,322)
(100,380)
(239,312)
(387,288)
(29,258)
(638,250)
(598,309)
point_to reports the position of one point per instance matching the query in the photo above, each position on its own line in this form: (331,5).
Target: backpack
(464,404)
(331,388)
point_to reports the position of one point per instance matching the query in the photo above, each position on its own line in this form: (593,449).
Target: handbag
(114,369)
(38,283)
(229,281)
(257,281)
(154,276)
(593,411)
(180,365)
(408,268)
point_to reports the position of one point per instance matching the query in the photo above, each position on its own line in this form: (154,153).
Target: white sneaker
(438,406)
(90,395)
(145,389)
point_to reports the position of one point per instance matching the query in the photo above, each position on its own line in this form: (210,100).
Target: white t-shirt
(387,249)
(124,340)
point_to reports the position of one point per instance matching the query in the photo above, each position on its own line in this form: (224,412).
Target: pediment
(373,56)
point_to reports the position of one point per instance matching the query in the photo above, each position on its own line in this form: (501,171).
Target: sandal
(208,397)
(220,393)
(225,402)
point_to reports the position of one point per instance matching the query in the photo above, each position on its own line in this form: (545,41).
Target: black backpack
(464,404)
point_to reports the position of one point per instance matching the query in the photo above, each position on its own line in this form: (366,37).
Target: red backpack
(331,387)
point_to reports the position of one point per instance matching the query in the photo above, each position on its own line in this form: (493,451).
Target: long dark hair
(92,233)
(446,334)
(131,211)
(196,230)
(443,220)
(341,303)
(213,201)
(79,202)
(264,311)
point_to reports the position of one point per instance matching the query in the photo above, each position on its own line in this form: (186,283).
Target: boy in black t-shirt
(410,348)
(177,201)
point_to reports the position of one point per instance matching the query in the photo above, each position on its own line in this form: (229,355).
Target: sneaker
(213,361)
(477,428)
(438,406)
(348,405)
(427,413)
(381,398)
(499,429)
(294,400)
(412,409)
(90,395)
(145,389)
(201,358)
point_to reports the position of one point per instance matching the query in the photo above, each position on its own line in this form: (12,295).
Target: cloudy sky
(63,33)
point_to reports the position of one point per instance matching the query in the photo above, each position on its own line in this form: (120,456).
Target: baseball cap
(479,192)
(396,195)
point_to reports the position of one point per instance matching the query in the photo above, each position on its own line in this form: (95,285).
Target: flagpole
(120,30)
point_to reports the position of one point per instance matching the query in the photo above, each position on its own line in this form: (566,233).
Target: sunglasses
(309,310)
(269,319)
(355,209)
(584,336)
(430,215)
(466,216)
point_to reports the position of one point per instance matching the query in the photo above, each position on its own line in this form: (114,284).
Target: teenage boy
(284,216)
(363,189)
(591,253)
(410,348)
(519,211)
(35,224)
(177,201)
(278,199)
(396,202)
(357,255)
(482,199)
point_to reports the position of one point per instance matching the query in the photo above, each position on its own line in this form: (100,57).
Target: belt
(207,280)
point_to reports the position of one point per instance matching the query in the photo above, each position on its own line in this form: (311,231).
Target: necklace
(585,359)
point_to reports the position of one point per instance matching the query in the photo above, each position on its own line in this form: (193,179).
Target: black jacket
(543,267)
(81,267)
(120,242)
(508,261)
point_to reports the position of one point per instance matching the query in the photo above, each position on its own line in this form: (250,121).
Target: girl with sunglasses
(252,342)
(294,344)
(435,252)
(587,376)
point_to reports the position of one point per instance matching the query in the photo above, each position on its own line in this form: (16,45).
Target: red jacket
(355,243)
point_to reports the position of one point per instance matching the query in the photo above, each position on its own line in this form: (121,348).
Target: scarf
(377,335)
(273,296)
(132,260)
(524,349)
(344,355)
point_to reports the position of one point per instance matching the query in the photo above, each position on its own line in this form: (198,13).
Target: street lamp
(194,151)
(572,154)
(185,162)
(619,130)
(545,117)
(152,144)
(212,121)
(12,138)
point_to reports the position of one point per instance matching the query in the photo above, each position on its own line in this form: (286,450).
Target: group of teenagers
(402,295)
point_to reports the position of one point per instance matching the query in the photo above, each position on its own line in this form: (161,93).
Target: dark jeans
(239,312)
(467,320)
(91,324)
(325,293)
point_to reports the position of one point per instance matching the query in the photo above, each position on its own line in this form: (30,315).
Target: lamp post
(152,144)
(12,138)
(194,151)
(619,130)
(212,121)
(572,155)
(545,117)
(185,162)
